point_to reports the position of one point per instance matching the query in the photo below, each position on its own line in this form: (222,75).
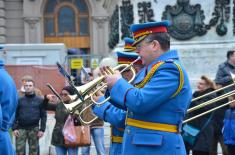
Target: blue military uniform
(8,104)
(116,117)
(113,115)
(156,105)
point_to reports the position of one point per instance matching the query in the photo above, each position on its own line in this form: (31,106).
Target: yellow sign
(94,62)
(76,63)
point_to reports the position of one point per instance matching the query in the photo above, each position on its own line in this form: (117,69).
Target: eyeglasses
(140,45)
(64,94)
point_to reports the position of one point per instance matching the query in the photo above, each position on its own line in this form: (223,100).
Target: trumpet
(88,90)
(212,101)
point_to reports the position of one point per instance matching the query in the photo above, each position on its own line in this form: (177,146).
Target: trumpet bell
(73,97)
(86,88)
(75,104)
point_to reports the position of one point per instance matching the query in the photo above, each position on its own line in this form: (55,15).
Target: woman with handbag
(61,115)
(202,141)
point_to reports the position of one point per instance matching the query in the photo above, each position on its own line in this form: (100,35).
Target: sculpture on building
(188,20)
(114,29)
(127,18)
(145,12)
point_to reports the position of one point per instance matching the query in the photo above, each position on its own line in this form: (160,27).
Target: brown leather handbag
(75,135)
(83,137)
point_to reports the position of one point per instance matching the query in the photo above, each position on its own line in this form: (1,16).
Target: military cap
(128,55)
(140,31)
(128,44)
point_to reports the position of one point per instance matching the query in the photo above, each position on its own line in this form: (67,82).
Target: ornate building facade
(202,30)
(98,26)
(81,24)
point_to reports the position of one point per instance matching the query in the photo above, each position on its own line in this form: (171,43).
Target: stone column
(2,23)
(100,35)
(32,21)
(32,27)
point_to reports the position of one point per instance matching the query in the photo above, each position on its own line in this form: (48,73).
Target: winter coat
(204,139)
(61,114)
(30,112)
(223,77)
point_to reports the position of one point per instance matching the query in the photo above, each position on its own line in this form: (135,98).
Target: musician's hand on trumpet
(97,95)
(110,79)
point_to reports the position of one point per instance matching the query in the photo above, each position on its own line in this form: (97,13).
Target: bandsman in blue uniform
(158,101)
(110,113)
(116,117)
(8,104)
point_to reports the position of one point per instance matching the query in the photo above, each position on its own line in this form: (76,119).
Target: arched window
(66,21)
(50,6)
(81,5)
(66,18)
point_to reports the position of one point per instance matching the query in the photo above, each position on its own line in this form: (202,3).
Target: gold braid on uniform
(149,75)
(153,70)
(181,80)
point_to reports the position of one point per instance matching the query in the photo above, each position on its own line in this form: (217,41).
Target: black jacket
(30,112)
(223,78)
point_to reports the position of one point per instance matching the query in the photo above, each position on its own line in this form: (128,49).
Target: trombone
(214,100)
(87,91)
(211,110)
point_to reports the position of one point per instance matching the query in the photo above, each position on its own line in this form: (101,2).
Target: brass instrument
(214,100)
(204,113)
(88,90)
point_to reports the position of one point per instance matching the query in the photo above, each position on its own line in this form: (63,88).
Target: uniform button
(128,131)
(130,114)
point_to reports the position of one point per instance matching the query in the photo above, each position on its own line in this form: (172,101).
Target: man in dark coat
(30,113)
(223,78)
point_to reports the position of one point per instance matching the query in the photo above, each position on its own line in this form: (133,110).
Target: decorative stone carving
(221,11)
(32,21)
(127,18)
(145,12)
(100,20)
(107,4)
(114,29)
(187,20)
